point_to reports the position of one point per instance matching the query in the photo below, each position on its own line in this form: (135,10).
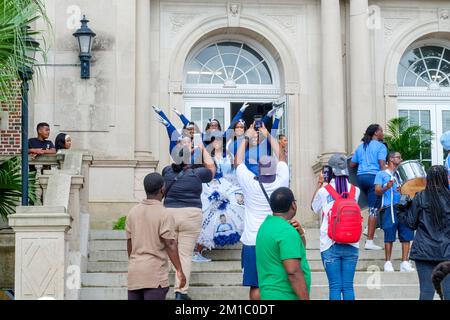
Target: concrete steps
(232,265)
(221,279)
(406,292)
(233,255)
(369,279)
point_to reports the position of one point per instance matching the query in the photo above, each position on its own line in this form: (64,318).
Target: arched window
(426,66)
(229,64)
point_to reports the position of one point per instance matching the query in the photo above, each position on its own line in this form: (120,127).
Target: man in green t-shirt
(283,271)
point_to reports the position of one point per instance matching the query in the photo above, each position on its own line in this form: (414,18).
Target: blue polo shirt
(367,158)
(382,178)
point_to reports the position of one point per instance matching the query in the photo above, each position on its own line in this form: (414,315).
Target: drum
(413,177)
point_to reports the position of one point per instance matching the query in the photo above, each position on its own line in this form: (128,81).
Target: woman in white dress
(223,205)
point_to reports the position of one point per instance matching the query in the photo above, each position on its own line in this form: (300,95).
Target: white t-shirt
(257,207)
(322,204)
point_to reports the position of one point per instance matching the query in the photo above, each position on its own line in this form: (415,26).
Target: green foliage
(120,224)
(15,16)
(11,186)
(411,141)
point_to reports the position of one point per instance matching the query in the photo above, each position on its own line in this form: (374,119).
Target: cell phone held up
(327,173)
(258,122)
(197,139)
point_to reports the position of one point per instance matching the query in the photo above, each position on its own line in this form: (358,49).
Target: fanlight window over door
(229,64)
(426,66)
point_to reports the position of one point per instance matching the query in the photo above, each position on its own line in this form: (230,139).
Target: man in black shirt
(41,145)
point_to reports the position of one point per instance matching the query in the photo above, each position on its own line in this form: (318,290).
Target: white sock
(369,241)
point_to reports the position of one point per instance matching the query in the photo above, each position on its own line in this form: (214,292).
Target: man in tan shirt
(150,230)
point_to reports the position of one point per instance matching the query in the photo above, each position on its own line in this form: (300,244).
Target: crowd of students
(225,187)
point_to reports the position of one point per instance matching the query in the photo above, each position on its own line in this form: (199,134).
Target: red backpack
(344,218)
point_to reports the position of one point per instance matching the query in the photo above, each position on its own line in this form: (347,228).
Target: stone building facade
(337,65)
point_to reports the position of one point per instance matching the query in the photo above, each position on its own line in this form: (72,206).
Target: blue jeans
(425,271)
(340,262)
(366,184)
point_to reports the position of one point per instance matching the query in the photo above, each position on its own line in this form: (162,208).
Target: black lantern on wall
(84,36)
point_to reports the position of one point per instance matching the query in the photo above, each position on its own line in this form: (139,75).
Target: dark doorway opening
(255,108)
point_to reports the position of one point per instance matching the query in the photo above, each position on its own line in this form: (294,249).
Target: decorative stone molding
(175,86)
(444,18)
(179,20)
(287,22)
(423,92)
(292,88)
(219,91)
(322,160)
(234,14)
(111,163)
(392,24)
(390,90)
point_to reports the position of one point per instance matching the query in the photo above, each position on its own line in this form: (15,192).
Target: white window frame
(259,92)
(435,109)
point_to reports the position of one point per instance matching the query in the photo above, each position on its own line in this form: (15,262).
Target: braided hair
(370,132)
(438,194)
(439,274)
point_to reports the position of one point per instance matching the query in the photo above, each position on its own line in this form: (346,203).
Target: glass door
(201,111)
(443,125)
(432,117)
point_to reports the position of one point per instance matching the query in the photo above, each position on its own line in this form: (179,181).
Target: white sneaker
(371,246)
(366,232)
(388,267)
(406,266)
(197,257)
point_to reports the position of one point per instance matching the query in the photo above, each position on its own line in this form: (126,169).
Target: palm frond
(11,185)
(15,15)
(410,140)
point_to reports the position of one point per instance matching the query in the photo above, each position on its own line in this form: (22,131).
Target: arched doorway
(222,72)
(423,79)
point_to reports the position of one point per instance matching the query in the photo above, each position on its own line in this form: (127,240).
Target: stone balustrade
(51,240)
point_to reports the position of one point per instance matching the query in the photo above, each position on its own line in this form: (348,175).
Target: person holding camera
(272,174)
(429,214)
(339,259)
(183,199)
(387,186)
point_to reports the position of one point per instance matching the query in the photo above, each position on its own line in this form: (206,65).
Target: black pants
(148,294)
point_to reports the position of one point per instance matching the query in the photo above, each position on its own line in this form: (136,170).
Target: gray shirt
(186,191)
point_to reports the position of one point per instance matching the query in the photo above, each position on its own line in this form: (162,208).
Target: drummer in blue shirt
(370,157)
(387,185)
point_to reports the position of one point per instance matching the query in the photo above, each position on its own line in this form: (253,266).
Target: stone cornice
(114,163)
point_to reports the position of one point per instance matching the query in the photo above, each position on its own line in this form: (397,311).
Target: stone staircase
(221,279)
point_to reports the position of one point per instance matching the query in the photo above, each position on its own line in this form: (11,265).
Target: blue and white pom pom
(445,140)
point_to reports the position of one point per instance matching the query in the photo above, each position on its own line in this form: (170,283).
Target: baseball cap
(268,169)
(338,163)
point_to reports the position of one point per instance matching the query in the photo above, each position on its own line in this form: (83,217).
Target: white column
(362,104)
(143,77)
(333,111)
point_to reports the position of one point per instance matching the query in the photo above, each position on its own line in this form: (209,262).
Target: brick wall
(10,138)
